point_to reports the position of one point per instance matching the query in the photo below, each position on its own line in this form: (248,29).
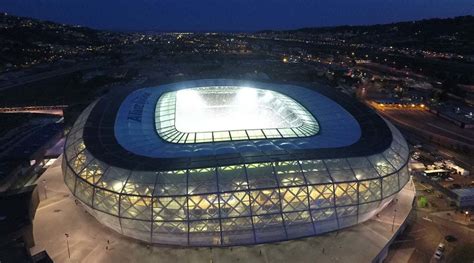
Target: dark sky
(232,15)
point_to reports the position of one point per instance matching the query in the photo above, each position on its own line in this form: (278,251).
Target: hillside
(444,35)
(26,41)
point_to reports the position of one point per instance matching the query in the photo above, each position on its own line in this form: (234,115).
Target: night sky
(232,15)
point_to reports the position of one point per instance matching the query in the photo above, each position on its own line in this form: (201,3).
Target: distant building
(23,149)
(465,197)
(459,170)
(398,103)
(25,153)
(461,115)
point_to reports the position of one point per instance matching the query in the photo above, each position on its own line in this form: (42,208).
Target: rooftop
(121,128)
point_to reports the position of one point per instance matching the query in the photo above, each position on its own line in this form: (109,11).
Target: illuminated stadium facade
(228,162)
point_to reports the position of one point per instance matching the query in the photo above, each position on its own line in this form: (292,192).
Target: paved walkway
(58,215)
(459,218)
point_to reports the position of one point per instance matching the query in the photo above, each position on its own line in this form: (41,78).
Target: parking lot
(440,169)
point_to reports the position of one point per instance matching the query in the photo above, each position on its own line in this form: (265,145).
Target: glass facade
(239,204)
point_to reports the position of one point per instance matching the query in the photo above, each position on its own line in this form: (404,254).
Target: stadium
(221,162)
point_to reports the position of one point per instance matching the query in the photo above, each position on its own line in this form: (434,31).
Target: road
(426,127)
(427,122)
(382,69)
(425,235)
(428,229)
(52,110)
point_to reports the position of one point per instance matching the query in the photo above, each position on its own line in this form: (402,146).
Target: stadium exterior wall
(234,204)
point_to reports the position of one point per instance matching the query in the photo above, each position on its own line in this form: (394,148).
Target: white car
(439,251)
(441,247)
(449,179)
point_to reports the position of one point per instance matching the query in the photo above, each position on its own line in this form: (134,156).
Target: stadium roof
(122,130)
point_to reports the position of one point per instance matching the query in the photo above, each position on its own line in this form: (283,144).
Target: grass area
(461,254)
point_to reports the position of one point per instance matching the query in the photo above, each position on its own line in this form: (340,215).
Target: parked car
(441,247)
(449,179)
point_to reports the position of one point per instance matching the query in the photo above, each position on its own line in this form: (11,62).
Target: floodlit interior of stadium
(231,113)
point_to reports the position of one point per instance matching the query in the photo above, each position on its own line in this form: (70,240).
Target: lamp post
(44,188)
(394,215)
(67,244)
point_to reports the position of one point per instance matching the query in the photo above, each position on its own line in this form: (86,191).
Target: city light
(205,139)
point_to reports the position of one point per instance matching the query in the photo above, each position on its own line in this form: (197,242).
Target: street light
(44,188)
(67,243)
(394,215)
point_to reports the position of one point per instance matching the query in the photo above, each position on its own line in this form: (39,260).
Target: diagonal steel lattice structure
(327,163)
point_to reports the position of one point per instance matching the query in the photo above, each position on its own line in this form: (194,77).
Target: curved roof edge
(100,140)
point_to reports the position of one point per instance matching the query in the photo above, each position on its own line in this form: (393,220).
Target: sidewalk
(455,217)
